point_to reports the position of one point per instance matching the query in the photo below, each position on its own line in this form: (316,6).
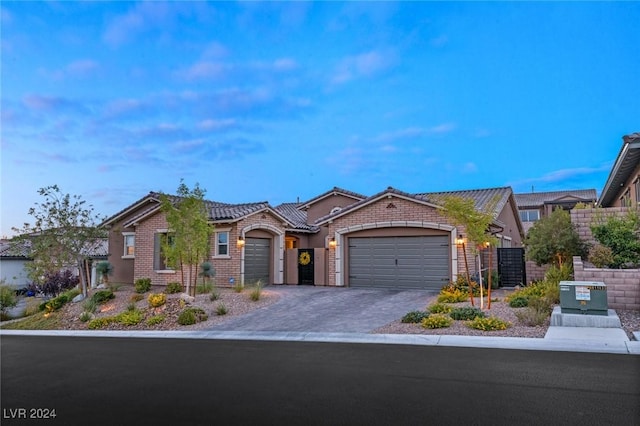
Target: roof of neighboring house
(22,249)
(334,191)
(481,197)
(627,161)
(296,216)
(538,199)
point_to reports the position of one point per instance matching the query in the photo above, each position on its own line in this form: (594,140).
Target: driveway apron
(329,309)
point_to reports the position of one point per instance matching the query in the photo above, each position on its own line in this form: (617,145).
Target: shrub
(601,256)
(191,316)
(157,299)
(555,274)
(85,316)
(221,309)
(461,284)
(414,317)
(156,319)
(541,304)
(214,295)
(55,282)
(90,306)
(115,286)
(437,321)
(531,317)
(174,287)
(8,298)
(467,313)
(131,317)
(256,292)
(59,301)
(495,279)
(143,285)
(439,308)
(518,302)
(136,298)
(488,323)
(204,288)
(238,287)
(102,296)
(454,296)
(98,323)
(620,234)
(104,269)
(131,307)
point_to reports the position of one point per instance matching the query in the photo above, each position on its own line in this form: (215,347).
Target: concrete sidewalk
(559,340)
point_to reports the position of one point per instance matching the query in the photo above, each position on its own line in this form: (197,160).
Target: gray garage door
(257,257)
(399,262)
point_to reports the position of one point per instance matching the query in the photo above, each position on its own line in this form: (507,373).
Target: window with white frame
(162,240)
(529,215)
(222,243)
(129,244)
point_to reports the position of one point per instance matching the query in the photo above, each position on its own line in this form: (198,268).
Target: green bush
(461,284)
(414,317)
(102,296)
(98,323)
(256,292)
(215,295)
(601,256)
(90,305)
(8,298)
(59,301)
(131,307)
(488,323)
(452,296)
(174,287)
(238,287)
(157,299)
(156,319)
(620,234)
(132,317)
(439,308)
(466,313)
(518,302)
(191,316)
(555,274)
(142,285)
(85,316)
(437,321)
(221,309)
(204,288)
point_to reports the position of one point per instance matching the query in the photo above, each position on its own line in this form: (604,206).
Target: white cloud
(442,128)
(210,124)
(204,70)
(362,65)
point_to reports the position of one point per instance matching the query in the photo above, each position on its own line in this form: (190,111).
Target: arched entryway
(262,256)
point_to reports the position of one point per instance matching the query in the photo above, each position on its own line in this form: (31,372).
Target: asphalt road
(123,381)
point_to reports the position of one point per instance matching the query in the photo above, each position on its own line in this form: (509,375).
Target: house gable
(329,202)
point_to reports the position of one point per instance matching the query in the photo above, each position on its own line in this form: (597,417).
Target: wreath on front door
(304,258)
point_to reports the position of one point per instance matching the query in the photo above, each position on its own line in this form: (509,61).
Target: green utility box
(583,297)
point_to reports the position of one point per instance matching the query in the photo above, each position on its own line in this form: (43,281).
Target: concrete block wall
(535,272)
(623,285)
(582,219)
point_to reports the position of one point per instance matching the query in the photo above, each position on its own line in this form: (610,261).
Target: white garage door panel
(399,262)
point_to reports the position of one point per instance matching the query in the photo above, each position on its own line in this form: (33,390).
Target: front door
(305,266)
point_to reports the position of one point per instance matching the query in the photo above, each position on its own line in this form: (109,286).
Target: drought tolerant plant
(414,317)
(104,269)
(518,301)
(488,323)
(215,295)
(440,308)
(554,240)
(256,292)
(156,319)
(143,285)
(85,316)
(102,296)
(90,305)
(157,299)
(466,313)
(191,316)
(8,300)
(601,256)
(98,323)
(455,296)
(238,287)
(173,287)
(136,298)
(437,321)
(53,283)
(537,311)
(204,288)
(130,317)
(622,236)
(221,309)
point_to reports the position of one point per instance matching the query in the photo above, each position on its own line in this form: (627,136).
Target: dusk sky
(278,101)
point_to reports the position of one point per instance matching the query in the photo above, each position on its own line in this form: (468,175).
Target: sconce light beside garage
(240,242)
(332,243)
(460,240)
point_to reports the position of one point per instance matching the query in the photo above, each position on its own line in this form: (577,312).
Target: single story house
(338,238)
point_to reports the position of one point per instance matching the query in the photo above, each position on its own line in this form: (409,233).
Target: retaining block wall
(623,285)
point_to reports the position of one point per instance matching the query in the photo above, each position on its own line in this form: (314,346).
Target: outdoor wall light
(332,243)
(460,240)
(240,242)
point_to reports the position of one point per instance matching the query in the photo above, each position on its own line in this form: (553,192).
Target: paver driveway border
(329,309)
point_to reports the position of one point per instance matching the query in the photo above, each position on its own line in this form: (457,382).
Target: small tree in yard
(463,212)
(188,244)
(554,240)
(64,230)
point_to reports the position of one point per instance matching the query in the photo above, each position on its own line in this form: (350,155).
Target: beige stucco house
(338,238)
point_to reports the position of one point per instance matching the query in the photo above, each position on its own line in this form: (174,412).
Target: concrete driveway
(329,309)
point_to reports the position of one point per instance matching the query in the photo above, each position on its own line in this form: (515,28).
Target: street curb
(517,343)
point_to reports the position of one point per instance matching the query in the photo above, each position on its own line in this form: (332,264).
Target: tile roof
(481,197)
(297,217)
(334,190)
(221,211)
(22,249)
(538,199)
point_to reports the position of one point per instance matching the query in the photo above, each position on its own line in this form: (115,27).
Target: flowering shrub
(488,323)
(452,296)
(439,308)
(98,323)
(130,317)
(437,321)
(157,299)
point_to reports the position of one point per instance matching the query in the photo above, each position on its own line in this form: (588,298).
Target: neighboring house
(14,258)
(339,238)
(536,205)
(622,188)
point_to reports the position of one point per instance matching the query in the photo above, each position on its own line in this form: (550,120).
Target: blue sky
(278,101)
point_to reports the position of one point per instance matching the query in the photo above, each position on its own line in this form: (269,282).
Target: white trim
(165,271)
(124,245)
(217,245)
(340,255)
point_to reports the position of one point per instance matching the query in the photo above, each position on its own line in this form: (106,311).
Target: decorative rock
(102,286)
(78,298)
(187,298)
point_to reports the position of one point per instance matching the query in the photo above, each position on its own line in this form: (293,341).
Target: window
(160,240)
(222,243)
(625,200)
(529,215)
(129,244)
(637,187)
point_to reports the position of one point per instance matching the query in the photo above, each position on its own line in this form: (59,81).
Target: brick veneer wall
(378,212)
(623,285)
